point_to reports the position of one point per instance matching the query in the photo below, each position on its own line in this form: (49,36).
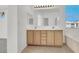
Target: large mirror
(30,19)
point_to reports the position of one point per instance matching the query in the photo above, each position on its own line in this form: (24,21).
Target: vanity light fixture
(43,6)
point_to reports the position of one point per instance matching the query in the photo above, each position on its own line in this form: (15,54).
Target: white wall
(22,23)
(12,29)
(17,22)
(21,31)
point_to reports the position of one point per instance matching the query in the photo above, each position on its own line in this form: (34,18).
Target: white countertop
(44,28)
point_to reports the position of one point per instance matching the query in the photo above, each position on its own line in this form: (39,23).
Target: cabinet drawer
(43,32)
(43,35)
(43,38)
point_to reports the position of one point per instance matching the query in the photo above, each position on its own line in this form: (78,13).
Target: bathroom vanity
(45,37)
(43,34)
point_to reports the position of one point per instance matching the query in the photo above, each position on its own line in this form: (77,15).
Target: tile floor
(43,49)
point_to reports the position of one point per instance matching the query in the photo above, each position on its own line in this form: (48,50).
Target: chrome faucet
(55,21)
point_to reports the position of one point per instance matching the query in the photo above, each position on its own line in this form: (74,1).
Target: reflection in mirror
(30,21)
(45,21)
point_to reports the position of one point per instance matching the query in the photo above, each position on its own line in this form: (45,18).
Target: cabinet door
(43,37)
(30,37)
(36,37)
(58,38)
(50,38)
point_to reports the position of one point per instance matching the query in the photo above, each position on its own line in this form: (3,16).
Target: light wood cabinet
(58,38)
(50,38)
(45,37)
(30,37)
(37,37)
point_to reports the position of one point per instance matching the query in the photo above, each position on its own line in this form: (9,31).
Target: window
(72,16)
